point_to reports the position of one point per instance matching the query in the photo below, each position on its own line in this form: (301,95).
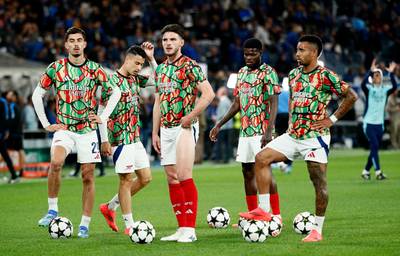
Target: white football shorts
(129,158)
(248,148)
(314,149)
(86,145)
(169,138)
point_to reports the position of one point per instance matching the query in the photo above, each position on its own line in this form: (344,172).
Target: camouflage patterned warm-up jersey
(176,84)
(75,88)
(310,94)
(124,123)
(254,88)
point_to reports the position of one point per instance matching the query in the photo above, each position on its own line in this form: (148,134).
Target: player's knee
(172,178)
(145,180)
(125,182)
(263,159)
(248,176)
(87,177)
(56,165)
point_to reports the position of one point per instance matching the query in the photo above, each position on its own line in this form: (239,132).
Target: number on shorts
(95,147)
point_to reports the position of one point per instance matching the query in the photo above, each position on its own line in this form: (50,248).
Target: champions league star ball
(60,227)
(275,227)
(303,223)
(255,231)
(241,223)
(142,232)
(218,217)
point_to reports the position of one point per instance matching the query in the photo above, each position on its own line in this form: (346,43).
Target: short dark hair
(313,39)
(136,50)
(176,28)
(74,30)
(253,43)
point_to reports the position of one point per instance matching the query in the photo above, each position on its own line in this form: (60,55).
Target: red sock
(190,191)
(274,201)
(177,197)
(252,202)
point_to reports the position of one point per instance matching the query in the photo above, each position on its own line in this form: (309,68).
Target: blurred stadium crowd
(353,35)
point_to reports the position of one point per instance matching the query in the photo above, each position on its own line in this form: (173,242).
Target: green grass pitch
(362,217)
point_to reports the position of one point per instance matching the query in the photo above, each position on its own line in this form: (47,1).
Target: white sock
(128,219)
(263,202)
(114,203)
(377,172)
(319,222)
(365,172)
(53,204)
(85,221)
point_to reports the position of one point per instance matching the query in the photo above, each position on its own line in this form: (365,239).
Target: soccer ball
(303,223)
(275,227)
(142,232)
(255,231)
(60,227)
(241,223)
(218,217)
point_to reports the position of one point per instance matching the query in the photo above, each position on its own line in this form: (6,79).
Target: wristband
(333,118)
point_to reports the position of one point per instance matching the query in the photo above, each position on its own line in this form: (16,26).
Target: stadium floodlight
(232,81)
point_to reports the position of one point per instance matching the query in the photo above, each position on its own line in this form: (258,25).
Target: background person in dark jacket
(4,134)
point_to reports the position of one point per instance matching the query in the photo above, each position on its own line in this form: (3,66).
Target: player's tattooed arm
(317,172)
(233,109)
(347,103)
(349,97)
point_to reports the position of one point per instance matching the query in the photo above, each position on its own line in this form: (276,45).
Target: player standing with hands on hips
(75,80)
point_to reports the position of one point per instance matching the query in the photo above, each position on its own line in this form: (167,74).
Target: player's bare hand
(322,124)
(148,49)
(265,139)
(56,127)
(186,122)
(392,67)
(94,118)
(106,148)
(156,143)
(373,65)
(214,133)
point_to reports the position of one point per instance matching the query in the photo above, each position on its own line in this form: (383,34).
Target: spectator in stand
(393,108)
(4,134)
(29,116)
(223,147)
(211,118)
(15,139)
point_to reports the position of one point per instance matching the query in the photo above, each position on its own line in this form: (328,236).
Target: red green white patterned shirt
(310,94)
(176,84)
(254,89)
(124,123)
(75,88)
